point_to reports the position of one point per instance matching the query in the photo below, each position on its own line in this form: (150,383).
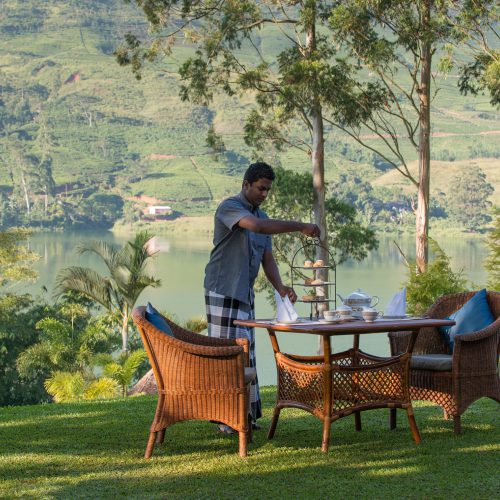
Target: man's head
(257,182)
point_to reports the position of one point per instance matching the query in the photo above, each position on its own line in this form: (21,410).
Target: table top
(348,328)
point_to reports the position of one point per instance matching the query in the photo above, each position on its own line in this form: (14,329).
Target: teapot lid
(359,294)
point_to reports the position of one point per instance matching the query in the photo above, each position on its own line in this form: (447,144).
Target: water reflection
(181,261)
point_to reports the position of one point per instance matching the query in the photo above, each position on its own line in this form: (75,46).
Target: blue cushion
(156,319)
(473,316)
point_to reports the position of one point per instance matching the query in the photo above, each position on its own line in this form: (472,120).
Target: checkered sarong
(221,313)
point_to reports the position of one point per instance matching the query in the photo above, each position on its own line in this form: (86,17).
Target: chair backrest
(178,360)
(448,304)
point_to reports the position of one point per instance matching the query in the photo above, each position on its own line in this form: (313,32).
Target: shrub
(422,289)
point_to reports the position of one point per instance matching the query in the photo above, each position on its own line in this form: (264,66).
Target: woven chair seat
(439,362)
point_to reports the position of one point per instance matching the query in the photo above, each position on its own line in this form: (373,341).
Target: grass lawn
(96,450)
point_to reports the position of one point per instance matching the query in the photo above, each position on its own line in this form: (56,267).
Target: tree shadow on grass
(97,450)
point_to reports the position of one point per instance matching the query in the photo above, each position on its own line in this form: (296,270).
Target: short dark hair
(259,170)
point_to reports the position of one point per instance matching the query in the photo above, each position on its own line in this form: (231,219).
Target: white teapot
(359,299)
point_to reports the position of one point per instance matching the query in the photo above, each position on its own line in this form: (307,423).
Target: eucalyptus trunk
(424,152)
(318,175)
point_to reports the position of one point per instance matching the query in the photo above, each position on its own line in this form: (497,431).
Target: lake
(180,264)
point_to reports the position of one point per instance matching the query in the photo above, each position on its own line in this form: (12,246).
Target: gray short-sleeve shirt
(237,254)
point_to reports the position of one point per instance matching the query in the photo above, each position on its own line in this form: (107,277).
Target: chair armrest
(477,353)
(213,351)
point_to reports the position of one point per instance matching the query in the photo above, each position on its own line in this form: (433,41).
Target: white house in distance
(159,210)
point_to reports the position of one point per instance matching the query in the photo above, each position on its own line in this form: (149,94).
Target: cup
(330,315)
(370,316)
(344,311)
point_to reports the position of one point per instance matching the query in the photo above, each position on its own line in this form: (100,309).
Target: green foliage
(123,369)
(18,316)
(67,386)
(67,342)
(101,209)
(15,257)
(291,198)
(468,200)
(422,289)
(127,279)
(101,388)
(196,325)
(492,263)
(215,142)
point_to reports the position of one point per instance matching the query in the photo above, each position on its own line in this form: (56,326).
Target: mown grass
(96,450)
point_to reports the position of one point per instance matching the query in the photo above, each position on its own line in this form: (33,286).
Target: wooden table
(333,386)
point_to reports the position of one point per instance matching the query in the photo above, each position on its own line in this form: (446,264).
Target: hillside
(66,99)
(443,172)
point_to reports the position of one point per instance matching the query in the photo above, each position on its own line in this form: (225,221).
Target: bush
(422,289)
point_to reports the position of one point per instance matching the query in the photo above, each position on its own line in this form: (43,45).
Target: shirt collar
(246,203)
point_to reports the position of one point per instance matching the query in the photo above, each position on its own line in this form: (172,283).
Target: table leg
(413,425)
(355,346)
(327,392)
(409,409)
(276,414)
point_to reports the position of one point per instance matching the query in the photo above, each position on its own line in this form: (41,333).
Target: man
(242,242)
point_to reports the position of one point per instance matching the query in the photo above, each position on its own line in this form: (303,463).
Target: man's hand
(288,290)
(311,230)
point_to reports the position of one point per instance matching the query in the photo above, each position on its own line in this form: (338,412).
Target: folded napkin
(397,305)
(284,308)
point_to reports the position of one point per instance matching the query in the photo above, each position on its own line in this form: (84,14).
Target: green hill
(63,96)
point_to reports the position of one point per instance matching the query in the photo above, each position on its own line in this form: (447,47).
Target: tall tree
(294,83)
(468,199)
(397,42)
(118,292)
(492,263)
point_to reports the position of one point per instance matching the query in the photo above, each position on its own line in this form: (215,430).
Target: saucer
(288,322)
(335,320)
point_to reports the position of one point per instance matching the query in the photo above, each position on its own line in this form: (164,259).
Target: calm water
(180,265)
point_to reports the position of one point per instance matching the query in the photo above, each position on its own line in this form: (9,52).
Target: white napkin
(284,308)
(397,305)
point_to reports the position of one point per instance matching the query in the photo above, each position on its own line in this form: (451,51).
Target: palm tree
(127,278)
(123,369)
(67,386)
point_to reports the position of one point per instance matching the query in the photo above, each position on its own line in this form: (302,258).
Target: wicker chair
(198,378)
(474,363)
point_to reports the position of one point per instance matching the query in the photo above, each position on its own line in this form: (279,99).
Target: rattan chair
(468,374)
(198,378)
